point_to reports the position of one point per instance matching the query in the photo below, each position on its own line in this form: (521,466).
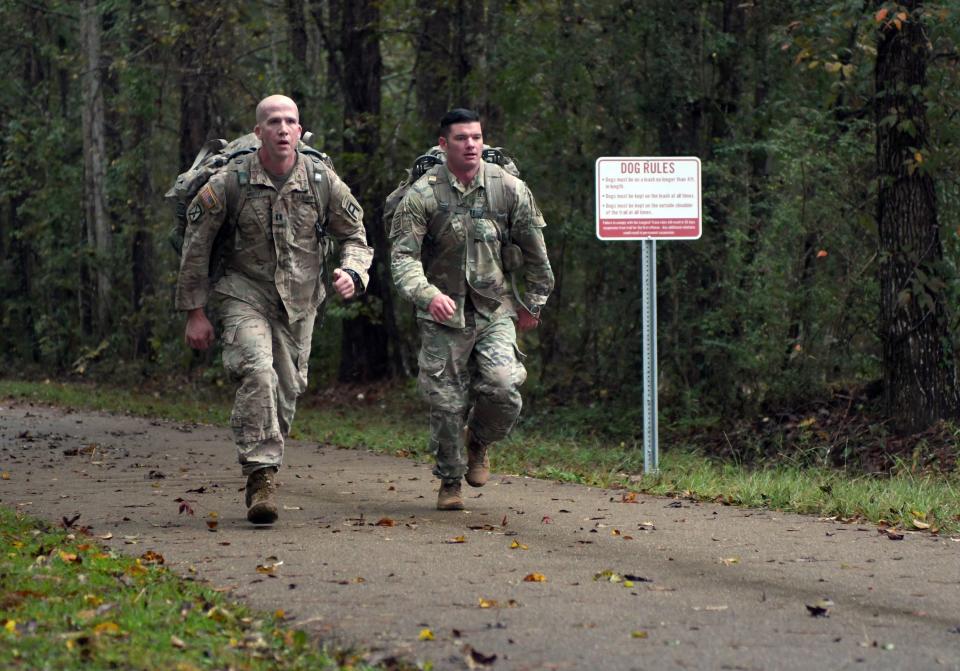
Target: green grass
(568,451)
(68,603)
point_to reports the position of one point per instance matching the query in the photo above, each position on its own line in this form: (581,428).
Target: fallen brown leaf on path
(425,635)
(546,520)
(477,660)
(385,522)
(456,539)
(535,577)
(730,561)
(151,557)
(516,545)
(629,497)
(638,634)
(607,575)
(184,506)
(820,609)
(269,566)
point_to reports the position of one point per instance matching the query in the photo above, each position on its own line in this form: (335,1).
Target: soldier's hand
(199,332)
(343,283)
(442,307)
(526,321)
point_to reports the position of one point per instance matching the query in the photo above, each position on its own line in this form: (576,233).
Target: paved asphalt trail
(714,587)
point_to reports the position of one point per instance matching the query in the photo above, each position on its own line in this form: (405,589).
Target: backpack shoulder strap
(314,162)
(443,196)
(500,197)
(238,178)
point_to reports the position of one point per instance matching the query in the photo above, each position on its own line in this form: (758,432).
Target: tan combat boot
(261,487)
(449,497)
(478,462)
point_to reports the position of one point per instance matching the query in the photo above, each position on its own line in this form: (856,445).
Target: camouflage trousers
(268,356)
(469,376)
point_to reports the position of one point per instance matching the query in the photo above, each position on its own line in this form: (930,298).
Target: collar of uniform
(455,184)
(296,182)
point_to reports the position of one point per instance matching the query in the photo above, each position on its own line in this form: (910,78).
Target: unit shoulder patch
(352,208)
(195,212)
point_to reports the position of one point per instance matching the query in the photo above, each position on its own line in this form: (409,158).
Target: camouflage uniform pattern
(445,238)
(266,303)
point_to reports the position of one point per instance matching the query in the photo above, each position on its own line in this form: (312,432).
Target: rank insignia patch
(195,212)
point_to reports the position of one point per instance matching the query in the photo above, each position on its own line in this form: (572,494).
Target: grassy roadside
(68,603)
(394,422)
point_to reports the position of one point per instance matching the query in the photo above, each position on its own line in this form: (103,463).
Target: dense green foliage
(776,304)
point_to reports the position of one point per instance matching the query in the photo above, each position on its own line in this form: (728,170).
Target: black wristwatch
(357,284)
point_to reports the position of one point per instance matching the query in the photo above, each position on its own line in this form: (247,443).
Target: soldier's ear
(442,142)
(257,131)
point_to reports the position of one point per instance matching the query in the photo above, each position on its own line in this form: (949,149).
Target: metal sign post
(646,199)
(648,271)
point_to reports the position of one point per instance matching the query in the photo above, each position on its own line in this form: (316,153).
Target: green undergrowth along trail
(66,602)
(395,423)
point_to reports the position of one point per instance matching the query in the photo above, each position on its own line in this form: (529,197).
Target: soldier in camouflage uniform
(447,238)
(266,302)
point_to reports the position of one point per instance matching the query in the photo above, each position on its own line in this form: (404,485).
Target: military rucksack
(434,157)
(219,155)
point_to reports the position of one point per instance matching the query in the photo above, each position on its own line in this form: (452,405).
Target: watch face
(534,310)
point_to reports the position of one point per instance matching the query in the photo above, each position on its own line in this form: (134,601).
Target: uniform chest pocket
(253,222)
(304,216)
(446,226)
(485,230)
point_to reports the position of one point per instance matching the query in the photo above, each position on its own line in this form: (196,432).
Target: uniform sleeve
(205,215)
(527,232)
(407,230)
(345,224)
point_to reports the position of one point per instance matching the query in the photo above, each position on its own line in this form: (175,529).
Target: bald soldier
(277,200)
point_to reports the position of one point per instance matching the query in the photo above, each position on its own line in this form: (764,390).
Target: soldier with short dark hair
(266,302)
(455,238)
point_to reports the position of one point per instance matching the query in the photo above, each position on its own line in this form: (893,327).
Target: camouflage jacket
(446,237)
(274,259)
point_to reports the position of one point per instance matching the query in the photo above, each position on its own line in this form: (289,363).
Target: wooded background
(827,130)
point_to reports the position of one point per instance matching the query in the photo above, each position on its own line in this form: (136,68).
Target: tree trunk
(432,68)
(297,38)
(918,365)
(365,345)
(99,234)
(200,73)
(139,183)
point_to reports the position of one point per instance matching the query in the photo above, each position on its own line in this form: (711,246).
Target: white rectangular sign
(648,198)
